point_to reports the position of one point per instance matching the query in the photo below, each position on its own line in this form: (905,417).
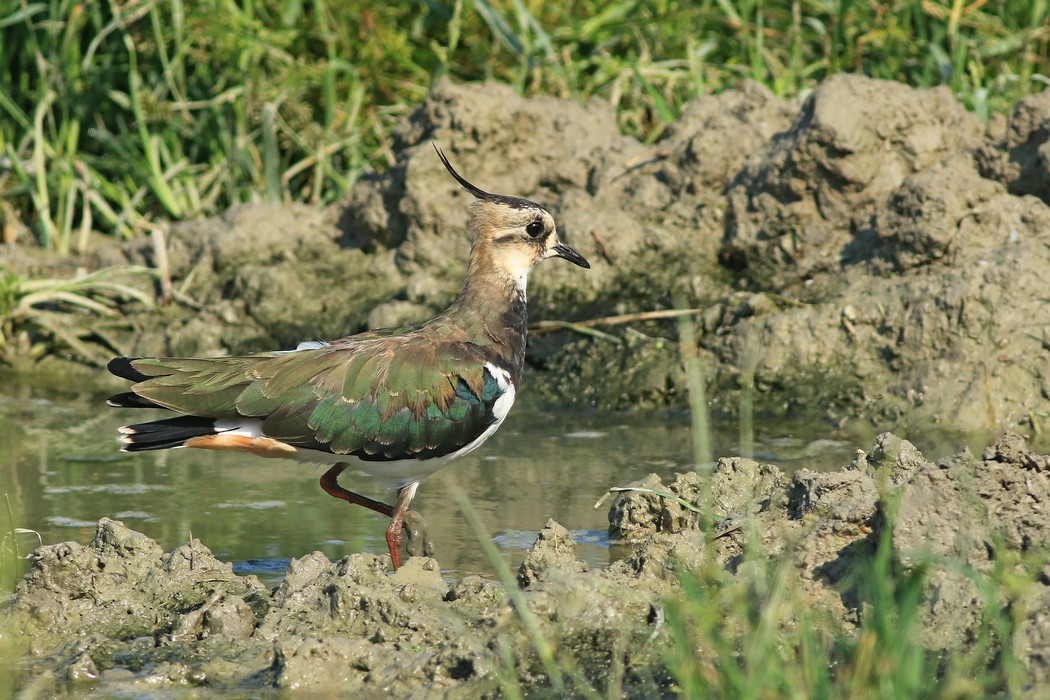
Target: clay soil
(123,617)
(873,253)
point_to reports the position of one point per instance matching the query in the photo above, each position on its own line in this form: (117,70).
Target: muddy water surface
(60,466)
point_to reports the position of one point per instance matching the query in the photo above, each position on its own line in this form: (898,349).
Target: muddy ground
(873,253)
(122,617)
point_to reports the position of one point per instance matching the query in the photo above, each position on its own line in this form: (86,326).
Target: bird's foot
(412,530)
(417,535)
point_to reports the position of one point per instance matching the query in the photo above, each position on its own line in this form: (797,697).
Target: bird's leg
(393,533)
(396,513)
(330,484)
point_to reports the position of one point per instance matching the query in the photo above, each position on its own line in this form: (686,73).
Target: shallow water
(61,471)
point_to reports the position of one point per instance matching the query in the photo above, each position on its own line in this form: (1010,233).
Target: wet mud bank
(873,253)
(121,616)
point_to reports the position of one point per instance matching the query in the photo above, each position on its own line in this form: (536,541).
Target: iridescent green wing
(378,398)
(212,387)
(387,399)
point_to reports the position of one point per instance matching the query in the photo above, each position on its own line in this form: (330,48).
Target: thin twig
(540,327)
(167,288)
(641,489)
(547,326)
(160,258)
(604,249)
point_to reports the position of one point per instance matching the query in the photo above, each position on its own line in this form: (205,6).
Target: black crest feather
(514,202)
(473,189)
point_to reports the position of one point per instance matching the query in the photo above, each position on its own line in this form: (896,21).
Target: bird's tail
(164,434)
(159,434)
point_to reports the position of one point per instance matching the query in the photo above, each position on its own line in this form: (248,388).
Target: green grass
(78,317)
(115,114)
(756,635)
(11,552)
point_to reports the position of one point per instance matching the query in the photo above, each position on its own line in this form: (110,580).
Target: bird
(396,404)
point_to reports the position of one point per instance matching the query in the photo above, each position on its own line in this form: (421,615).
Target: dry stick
(602,247)
(160,257)
(584,327)
(548,326)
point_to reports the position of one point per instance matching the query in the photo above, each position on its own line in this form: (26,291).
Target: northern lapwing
(397,404)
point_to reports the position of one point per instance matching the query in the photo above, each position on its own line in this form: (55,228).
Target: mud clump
(129,618)
(1020,158)
(793,208)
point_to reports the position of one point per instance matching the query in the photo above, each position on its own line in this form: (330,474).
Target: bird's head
(514,233)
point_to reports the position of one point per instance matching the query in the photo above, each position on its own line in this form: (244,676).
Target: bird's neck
(492,308)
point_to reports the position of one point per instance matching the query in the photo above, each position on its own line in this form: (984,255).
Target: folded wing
(378,399)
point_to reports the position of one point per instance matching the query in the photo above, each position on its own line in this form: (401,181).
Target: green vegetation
(118,113)
(757,635)
(12,555)
(76,316)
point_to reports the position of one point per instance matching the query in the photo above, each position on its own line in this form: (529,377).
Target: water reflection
(60,467)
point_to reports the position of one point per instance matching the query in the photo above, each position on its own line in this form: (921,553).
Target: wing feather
(385,397)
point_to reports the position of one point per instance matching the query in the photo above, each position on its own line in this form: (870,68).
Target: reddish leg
(330,483)
(397,517)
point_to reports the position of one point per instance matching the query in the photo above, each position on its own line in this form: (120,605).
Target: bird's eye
(534,228)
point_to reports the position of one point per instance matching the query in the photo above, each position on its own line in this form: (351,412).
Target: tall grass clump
(80,317)
(113,113)
(116,113)
(651,57)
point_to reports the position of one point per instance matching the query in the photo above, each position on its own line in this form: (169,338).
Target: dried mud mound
(873,252)
(120,616)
